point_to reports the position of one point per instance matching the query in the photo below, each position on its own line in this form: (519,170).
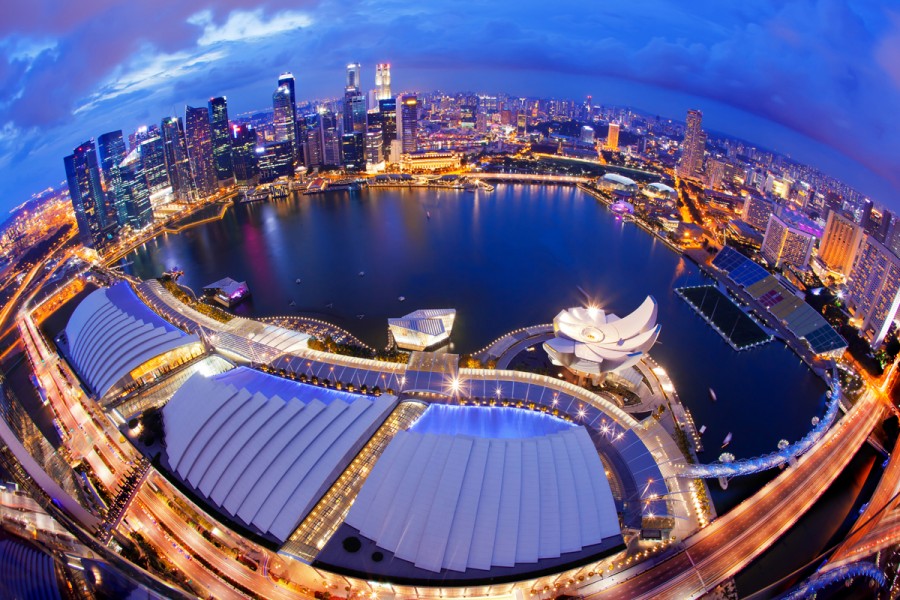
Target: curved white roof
(593,341)
(618,179)
(461,502)
(112,332)
(262,449)
(661,188)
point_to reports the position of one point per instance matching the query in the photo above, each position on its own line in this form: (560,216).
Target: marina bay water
(504,260)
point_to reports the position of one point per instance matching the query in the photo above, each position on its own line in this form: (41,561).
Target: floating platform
(735,326)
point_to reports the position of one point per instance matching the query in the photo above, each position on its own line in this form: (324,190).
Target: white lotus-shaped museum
(590,342)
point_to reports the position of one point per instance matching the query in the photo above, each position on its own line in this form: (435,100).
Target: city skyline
(851,88)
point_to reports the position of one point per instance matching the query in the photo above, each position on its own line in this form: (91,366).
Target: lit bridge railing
(775,459)
(823,579)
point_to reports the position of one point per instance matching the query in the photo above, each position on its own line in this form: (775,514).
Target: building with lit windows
(840,243)
(382,81)
(199,141)
(873,290)
(612,137)
(96,219)
(693,146)
(422,329)
(221,138)
(177,161)
(785,243)
(408,123)
(757,211)
(284,117)
(153,164)
(430,161)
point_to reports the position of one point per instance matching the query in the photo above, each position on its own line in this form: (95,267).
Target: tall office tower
(840,243)
(353,70)
(693,146)
(243,152)
(757,211)
(886,228)
(140,134)
(865,216)
(785,244)
(312,140)
(153,164)
(285,124)
(330,138)
(612,137)
(353,151)
(177,160)
(873,290)
(521,124)
(221,138)
(387,110)
(408,123)
(132,193)
(374,139)
(95,229)
(200,149)
(467,115)
(111,147)
(382,81)
(276,160)
(715,173)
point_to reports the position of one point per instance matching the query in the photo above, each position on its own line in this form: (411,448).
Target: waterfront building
(311,139)
(593,343)
(276,160)
(387,111)
(873,290)
(200,149)
(786,244)
(353,151)
(661,192)
(693,146)
(153,164)
(221,138)
(111,147)
(330,138)
(408,122)
(840,243)
(374,139)
(284,117)
(96,223)
(243,144)
(422,329)
(615,182)
(177,162)
(612,137)
(382,81)
(757,211)
(430,161)
(587,134)
(132,194)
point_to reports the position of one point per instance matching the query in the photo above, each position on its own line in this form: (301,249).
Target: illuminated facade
(785,244)
(96,222)
(612,137)
(422,329)
(221,138)
(430,161)
(840,243)
(757,211)
(693,146)
(408,123)
(200,149)
(873,290)
(177,162)
(382,81)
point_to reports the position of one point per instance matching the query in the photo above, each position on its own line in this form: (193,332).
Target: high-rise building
(886,227)
(111,147)
(521,124)
(382,81)
(177,161)
(283,118)
(153,164)
(277,160)
(354,102)
(715,173)
(873,290)
(95,229)
(757,211)
(353,151)
(311,138)
(244,156)
(330,138)
(785,244)
(200,149)
(840,243)
(612,137)
(408,122)
(387,111)
(865,216)
(132,193)
(287,80)
(374,139)
(221,138)
(693,146)
(353,70)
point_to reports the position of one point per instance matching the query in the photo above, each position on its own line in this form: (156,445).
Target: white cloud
(246,25)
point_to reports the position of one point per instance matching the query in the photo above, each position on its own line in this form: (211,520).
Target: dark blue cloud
(819,79)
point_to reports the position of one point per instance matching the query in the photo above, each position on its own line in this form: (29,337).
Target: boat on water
(292,303)
(298,280)
(401,298)
(427,214)
(727,440)
(712,395)
(360,316)
(702,429)
(362,273)
(329,305)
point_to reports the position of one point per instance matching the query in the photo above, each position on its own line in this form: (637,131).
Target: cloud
(244,25)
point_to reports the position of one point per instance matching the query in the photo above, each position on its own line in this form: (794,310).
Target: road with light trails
(732,541)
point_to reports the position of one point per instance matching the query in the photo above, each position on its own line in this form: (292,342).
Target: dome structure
(590,342)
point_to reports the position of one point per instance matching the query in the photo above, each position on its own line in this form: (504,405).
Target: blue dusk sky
(816,79)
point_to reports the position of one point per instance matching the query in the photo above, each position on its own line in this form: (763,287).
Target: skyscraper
(287,80)
(873,290)
(757,211)
(353,151)
(243,144)
(132,193)
(354,102)
(111,147)
(612,137)
(785,244)
(177,163)
(408,123)
(387,114)
(284,119)
(153,164)
(200,149)
(382,81)
(330,138)
(840,243)
(374,138)
(693,146)
(221,138)
(95,229)
(353,70)
(311,139)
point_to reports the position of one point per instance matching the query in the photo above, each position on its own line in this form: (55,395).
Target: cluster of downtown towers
(193,158)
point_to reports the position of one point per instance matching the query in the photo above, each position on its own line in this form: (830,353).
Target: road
(732,541)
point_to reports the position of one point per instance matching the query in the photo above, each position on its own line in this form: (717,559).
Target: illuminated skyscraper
(353,151)
(693,146)
(132,193)
(221,138)
(311,138)
(757,211)
(382,81)
(840,243)
(387,114)
(153,164)
(330,137)
(521,124)
(354,102)
(408,122)
(353,70)
(873,290)
(200,149)
(612,138)
(284,120)
(177,160)
(95,228)
(111,147)
(243,145)
(785,244)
